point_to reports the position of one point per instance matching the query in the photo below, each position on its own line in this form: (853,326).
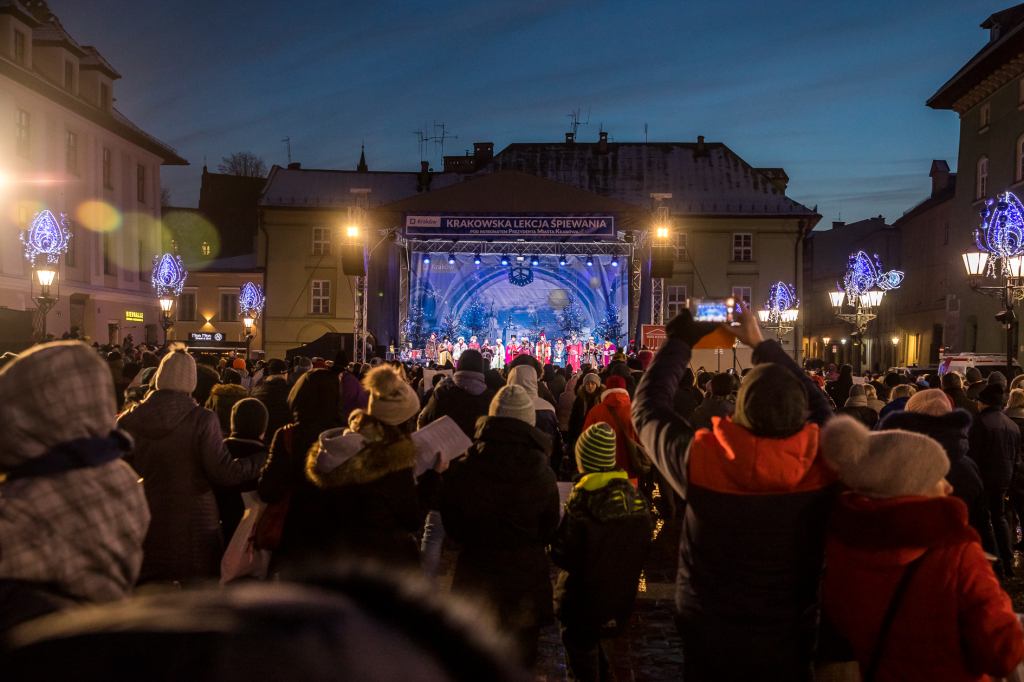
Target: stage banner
(652,336)
(521,225)
(492,301)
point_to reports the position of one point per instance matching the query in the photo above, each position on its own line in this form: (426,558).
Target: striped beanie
(595,449)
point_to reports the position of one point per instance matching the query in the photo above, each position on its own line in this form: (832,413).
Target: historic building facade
(69,151)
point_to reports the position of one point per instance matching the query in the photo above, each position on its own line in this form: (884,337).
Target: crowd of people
(824,518)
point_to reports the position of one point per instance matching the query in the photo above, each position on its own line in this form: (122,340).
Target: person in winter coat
(273,393)
(542,390)
(501,503)
(207,377)
(900,395)
(546,420)
(73,515)
(897,526)
(757,498)
(465,397)
(601,547)
(352,395)
(839,390)
(224,396)
(688,398)
(365,501)
(871,393)
(929,412)
(1015,413)
(248,424)
(588,394)
(857,407)
(556,384)
(995,444)
(180,455)
(719,402)
(614,410)
(314,405)
(565,401)
(952,386)
(975,382)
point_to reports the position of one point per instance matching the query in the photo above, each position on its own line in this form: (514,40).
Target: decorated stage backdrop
(491,300)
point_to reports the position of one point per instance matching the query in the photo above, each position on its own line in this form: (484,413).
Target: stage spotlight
(561,260)
(426,260)
(451,259)
(615,261)
(590,260)
(504,259)
(520,258)
(535,260)
(476,258)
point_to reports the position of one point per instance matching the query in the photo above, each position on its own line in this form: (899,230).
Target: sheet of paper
(428,375)
(564,490)
(442,436)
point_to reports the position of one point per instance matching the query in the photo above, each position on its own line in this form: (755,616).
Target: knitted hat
(614,382)
(973,375)
(993,394)
(883,463)
(997,378)
(933,402)
(392,401)
(772,402)
(249,419)
(595,449)
(513,401)
(177,372)
(470,361)
(591,379)
(239,363)
(231,376)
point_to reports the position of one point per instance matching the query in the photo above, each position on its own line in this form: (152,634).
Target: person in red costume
(473,345)
(543,350)
(512,351)
(573,350)
(525,347)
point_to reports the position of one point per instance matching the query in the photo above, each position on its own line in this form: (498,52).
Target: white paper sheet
(442,436)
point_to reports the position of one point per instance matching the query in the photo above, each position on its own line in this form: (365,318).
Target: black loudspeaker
(352,261)
(663,259)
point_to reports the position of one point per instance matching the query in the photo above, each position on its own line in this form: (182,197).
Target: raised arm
(221,468)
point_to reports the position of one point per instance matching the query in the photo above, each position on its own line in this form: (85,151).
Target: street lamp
(863,288)
(44,302)
(45,236)
(247,320)
(781,310)
(165,319)
(251,301)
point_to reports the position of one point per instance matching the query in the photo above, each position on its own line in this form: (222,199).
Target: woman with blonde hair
(872,395)
(899,397)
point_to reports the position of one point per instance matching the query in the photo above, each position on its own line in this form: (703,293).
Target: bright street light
(353,232)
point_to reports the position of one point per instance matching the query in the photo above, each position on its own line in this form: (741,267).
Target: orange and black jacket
(753,538)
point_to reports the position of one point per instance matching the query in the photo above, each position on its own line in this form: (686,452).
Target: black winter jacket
(501,503)
(274,396)
(712,406)
(995,445)
(462,405)
(601,547)
(961,401)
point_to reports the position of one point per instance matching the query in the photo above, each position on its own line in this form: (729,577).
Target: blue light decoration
(1002,232)
(863,275)
(168,274)
(251,299)
(781,299)
(46,236)
(520,276)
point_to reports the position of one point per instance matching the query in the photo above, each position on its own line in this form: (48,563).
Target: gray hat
(249,419)
(997,378)
(883,463)
(513,401)
(973,375)
(177,372)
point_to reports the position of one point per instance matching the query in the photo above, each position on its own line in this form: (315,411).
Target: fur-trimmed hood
(229,391)
(343,457)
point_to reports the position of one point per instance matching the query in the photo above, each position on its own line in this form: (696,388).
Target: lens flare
(98,216)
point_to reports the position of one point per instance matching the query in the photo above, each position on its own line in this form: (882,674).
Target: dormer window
(104,97)
(69,76)
(986,116)
(19,47)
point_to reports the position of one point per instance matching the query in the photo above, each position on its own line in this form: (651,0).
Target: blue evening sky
(832,92)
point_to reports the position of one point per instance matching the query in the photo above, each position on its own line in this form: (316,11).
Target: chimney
(836,224)
(939,174)
(483,152)
(569,138)
(701,149)
(294,166)
(602,144)
(424,177)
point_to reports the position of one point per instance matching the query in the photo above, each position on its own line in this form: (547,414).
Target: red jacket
(617,400)
(955,621)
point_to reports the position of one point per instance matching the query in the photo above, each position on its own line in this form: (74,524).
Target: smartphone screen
(712,311)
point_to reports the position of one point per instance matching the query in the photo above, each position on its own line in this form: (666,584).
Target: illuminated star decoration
(863,275)
(1002,233)
(168,274)
(46,235)
(251,299)
(781,299)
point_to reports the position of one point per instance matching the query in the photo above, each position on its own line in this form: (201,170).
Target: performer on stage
(498,362)
(459,347)
(525,347)
(473,344)
(590,354)
(406,354)
(558,359)
(607,351)
(487,351)
(431,350)
(445,354)
(543,350)
(573,349)
(512,351)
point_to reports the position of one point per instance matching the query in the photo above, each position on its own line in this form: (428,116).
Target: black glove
(683,327)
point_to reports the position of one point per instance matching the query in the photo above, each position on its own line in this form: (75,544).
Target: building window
(206,248)
(174,246)
(321,299)
(229,306)
(321,241)
(187,306)
(107,161)
(24,122)
(104,97)
(982,188)
(19,47)
(675,300)
(680,240)
(69,257)
(743,247)
(742,296)
(109,262)
(986,116)
(69,76)
(140,183)
(71,152)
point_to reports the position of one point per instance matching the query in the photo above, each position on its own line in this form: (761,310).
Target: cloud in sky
(834,93)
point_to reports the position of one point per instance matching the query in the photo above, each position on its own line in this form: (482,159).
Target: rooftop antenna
(288,141)
(574,117)
(645,132)
(439,139)
(421,141)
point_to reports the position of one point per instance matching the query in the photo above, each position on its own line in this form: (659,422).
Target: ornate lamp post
(862,289)
(895,351)
(168,278)
(250,301)
(1000,238)
(45,236)
(824,355)
(781,310)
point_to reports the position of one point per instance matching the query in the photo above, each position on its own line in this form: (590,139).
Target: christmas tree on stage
(449,326)
(474,318)
(570,320)
(414,329)
(535,328)
(610,327)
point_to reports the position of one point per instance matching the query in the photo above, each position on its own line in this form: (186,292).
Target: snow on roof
(713,182)
(325,188)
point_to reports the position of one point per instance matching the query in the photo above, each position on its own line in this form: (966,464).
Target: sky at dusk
(832,92)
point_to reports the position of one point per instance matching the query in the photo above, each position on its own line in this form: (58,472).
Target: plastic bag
(242,557)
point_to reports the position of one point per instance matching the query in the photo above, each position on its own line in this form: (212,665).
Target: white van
(986,364)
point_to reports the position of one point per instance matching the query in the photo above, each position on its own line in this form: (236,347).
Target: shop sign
(132,316)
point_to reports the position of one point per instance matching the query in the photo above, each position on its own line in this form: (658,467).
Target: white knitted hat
(392,401)
(883,463)
(513,401)
(177,372)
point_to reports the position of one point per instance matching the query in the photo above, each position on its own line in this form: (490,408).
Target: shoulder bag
(271,523)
